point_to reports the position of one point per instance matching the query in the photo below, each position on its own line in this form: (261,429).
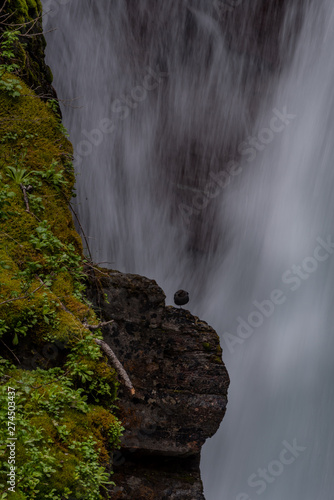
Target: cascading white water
(168,130)
(276,213)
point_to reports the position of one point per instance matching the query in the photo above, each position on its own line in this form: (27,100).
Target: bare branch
(3,6)
(23,296)
(114,360)
(96,269)
(25,196)
(26,201)
(8,236)
(13,353)
(78,221)
(96,327)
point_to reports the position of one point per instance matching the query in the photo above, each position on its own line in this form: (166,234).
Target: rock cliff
(174,362)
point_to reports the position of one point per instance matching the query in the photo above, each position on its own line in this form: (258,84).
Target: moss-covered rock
(62,385)
(63,443)
(25,16)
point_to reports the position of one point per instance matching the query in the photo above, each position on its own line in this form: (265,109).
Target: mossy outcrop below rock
(175,364)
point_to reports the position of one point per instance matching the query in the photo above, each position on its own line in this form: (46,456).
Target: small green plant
(36,202)
(5,200)
(57,258)
(23,323)
(115,432)
(54,420)
(8,84)
(81,365)
(10,37)
(18,174)
(90,475)
(13,137)
(52,176)
(11,86)
(84,350)
(49,311)
(53,105)
(55,402)
(9,137)
(63,130)
(3,327)
(85,347)
(63,432)
(81,371)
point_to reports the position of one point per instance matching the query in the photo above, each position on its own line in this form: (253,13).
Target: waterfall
(158,97)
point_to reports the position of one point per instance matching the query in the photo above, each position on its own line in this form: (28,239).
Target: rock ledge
(175,363)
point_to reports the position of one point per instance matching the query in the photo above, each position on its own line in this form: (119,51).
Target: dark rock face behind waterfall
(174,362)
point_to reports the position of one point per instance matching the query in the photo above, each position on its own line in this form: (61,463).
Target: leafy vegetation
(64,387)
(62,441)
(9,84)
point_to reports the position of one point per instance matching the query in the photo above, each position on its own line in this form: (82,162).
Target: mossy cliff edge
(69,406)
(62,385)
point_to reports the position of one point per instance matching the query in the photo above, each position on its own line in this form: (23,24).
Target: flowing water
(158,98)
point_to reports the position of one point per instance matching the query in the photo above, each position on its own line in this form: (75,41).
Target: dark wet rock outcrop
(174,361)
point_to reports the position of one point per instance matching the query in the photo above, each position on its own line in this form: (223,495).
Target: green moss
(65,428)
(58,435)
(207,346)
(31,139)
(26,16)
(24,10)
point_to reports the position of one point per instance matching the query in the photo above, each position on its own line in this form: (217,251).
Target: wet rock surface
(174,362)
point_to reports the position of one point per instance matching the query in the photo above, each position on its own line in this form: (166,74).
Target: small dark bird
(181,297)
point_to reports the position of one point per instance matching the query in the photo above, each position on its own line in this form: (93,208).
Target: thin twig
(25,196)
(26,201)
(100,325)
(23,296)
(114,360)
(104,262)
(3,6)
(60,302)
(13,353)
(96,269)
(83,232)
(78,220)
(2,232)
(38,386)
